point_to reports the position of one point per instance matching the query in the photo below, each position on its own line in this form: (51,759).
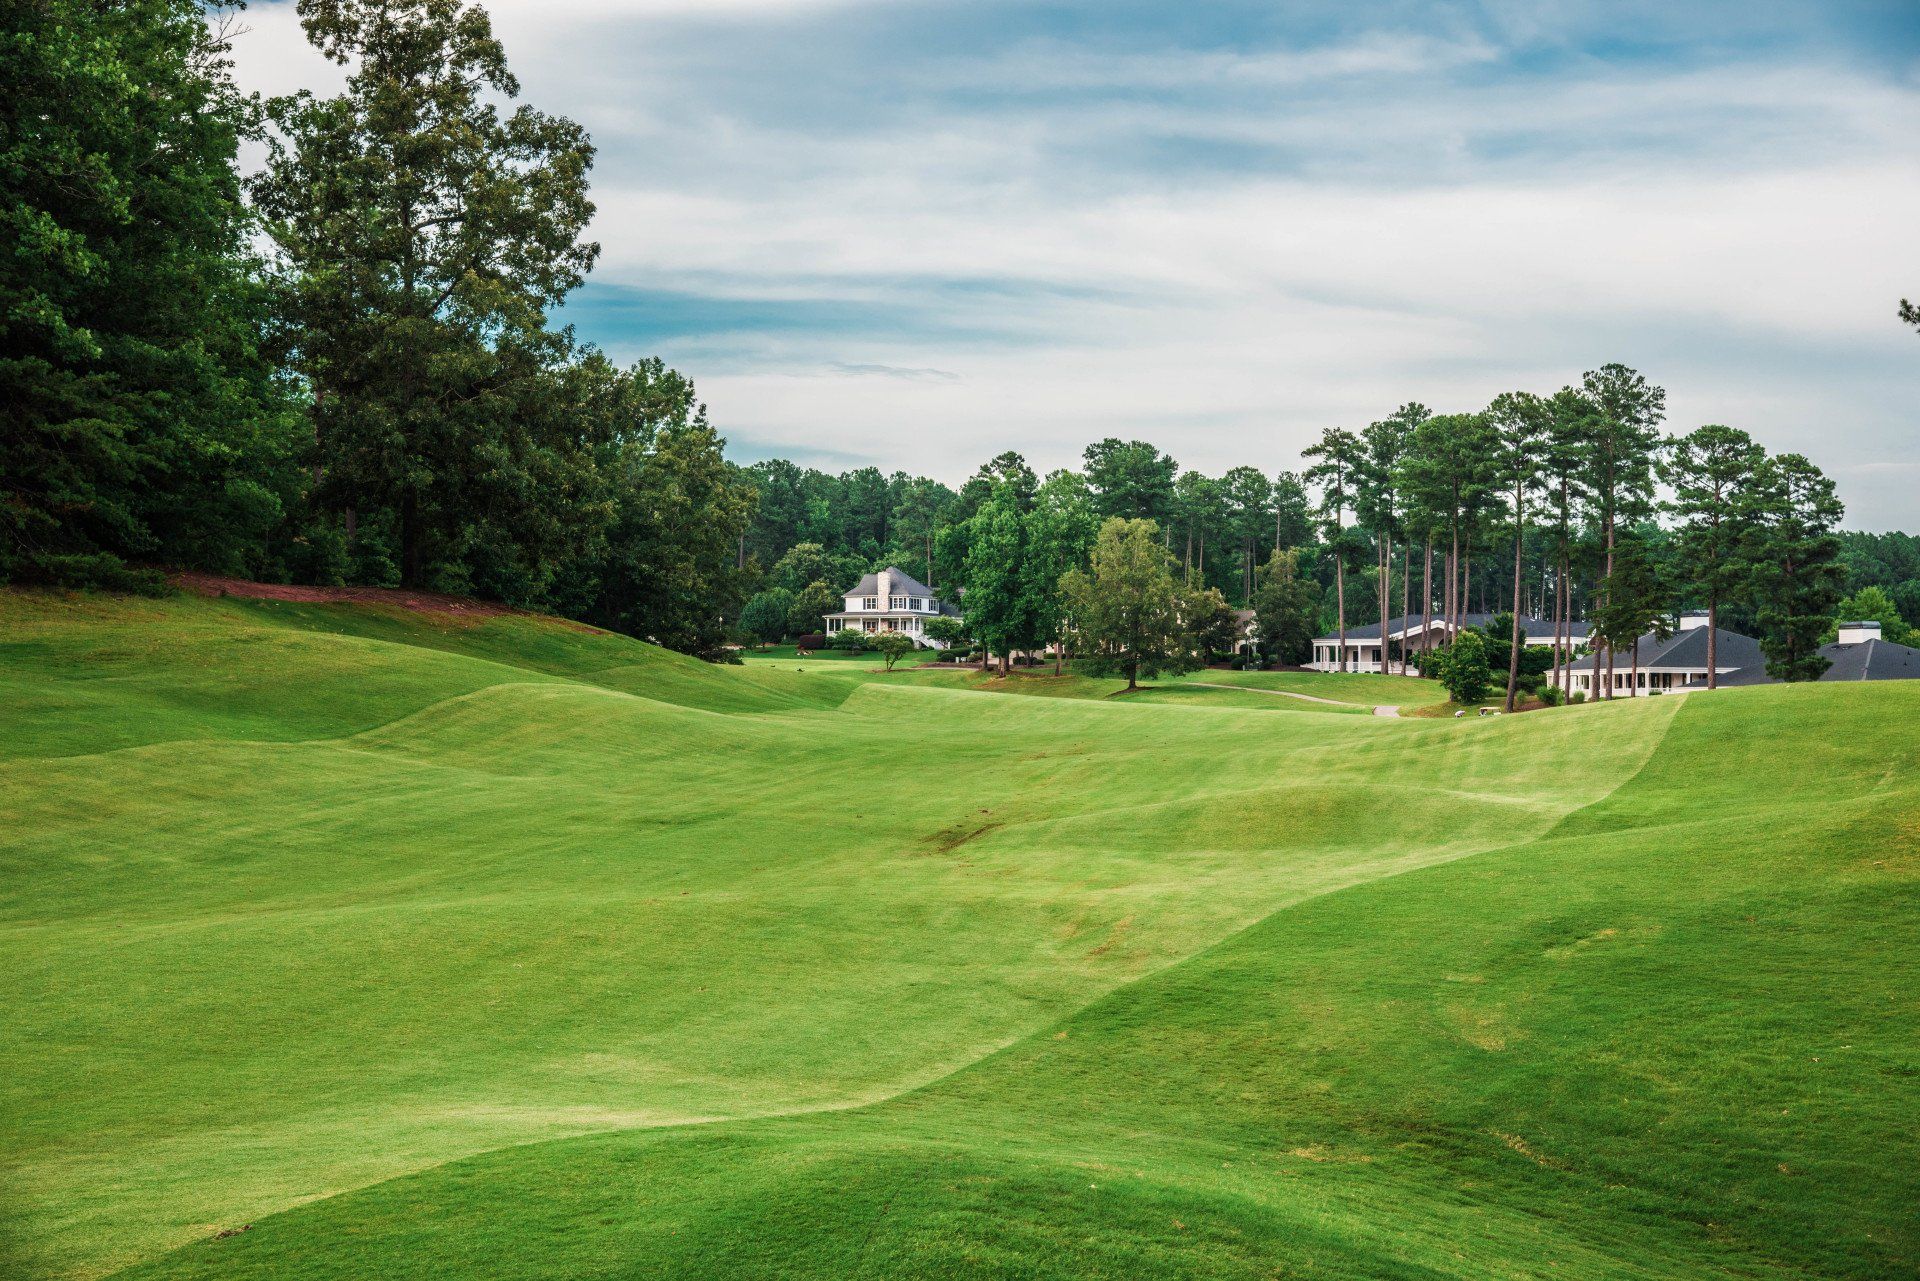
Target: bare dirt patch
(438,603)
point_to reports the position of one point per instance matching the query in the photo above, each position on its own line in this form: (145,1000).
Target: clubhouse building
(1680,661)
(891,601)
(1415,632)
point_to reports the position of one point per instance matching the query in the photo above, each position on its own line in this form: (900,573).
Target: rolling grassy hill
(493,947)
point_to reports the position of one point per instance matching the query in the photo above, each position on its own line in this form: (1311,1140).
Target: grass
(497,948)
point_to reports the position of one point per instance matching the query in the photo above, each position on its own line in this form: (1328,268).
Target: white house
(891,601)
(1415,632)
(1679,662)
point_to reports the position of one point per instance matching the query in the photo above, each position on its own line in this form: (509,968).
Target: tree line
(344,368)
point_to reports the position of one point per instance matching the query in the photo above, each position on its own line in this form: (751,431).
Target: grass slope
(879,979)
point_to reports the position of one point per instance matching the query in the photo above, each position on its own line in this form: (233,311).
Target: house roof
(1681,651)
(1577,629)
(1869,660)
(904,584)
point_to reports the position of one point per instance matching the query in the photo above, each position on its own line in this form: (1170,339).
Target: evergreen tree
(1248,495)
(1002,603)
(1563,470)
(1709,470)
(139,417)
(1796,563)
(1286,607)
(764,618)
(1621,444)
(1523,424)
(1132,479)
(423,234)
(1338,452)
(1379,503)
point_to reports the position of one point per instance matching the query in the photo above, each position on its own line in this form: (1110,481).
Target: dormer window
(918,605)
(896,602)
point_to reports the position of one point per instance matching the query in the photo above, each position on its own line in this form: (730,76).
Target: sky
(915,233)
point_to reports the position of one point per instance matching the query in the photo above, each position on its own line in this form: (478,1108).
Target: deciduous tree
(1125,606)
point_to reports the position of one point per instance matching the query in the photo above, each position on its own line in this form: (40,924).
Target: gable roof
(904,584)
(1682,651)
(1870,660)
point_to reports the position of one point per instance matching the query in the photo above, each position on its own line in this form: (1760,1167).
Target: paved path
(1382,710)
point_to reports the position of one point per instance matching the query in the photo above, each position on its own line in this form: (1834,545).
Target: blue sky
(917,234)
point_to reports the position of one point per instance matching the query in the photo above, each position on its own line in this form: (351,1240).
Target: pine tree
(1797,574)
(1338,451)
(1709,470)
(1523,425)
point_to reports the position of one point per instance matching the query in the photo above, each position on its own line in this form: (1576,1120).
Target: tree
(661,560)
(1125,606)
(1292,512)
(811,605)
(1002,602)
(917,517)
(1871,604)
(1522,424)
(1446,478)
(1621,444)
(422,235)
(1131,479)
(1209,621)
(1462,668)
(946,629)
(1796,560)
(1634,606)
(1378,500)
(1286,608)
(1249,501)
(765,616)
(1339,453)
(1910,313)
(893,646)
(1060,533)
(1563,467)
(1709,470)
(139,415)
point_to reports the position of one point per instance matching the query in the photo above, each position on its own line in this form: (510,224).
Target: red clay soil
(423,602)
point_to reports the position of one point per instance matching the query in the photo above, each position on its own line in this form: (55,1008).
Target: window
(917,604)
(870,602)
(896,602)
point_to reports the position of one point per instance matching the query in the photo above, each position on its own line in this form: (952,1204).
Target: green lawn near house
(431,947)
(1368,688)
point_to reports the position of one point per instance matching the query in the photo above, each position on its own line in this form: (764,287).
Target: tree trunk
(1713,640)
(1384,592)
(1340,604)
(409,539)
(1406,604)
(1513,647)
(1426,608)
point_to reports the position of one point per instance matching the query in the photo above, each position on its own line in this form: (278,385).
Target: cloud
(1225,227)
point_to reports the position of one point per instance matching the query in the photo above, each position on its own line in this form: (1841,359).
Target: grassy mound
(322,919)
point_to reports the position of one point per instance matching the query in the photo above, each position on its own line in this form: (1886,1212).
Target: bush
(1550,695)
(1237,663)
(1579,696)
(1462,668)
(848,639)
(812,640)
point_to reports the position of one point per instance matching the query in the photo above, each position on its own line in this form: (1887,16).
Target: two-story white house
(891,601)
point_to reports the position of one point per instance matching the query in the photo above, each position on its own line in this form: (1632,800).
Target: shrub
(1462,668)
(812,640)
(1550,695)
(1579,696)
(849,640)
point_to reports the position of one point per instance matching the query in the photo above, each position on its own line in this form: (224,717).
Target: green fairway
(496,947)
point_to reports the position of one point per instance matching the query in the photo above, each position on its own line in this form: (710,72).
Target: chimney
(1691,620)
(886,586)
(1856,633)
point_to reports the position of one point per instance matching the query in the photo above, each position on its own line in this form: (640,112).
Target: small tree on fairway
(1286,608)
(1126,606)
(1462,668)
(765,616)
(1796,564)
(893,646)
